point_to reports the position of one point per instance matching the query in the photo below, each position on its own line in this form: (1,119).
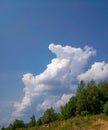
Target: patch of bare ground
(99,124)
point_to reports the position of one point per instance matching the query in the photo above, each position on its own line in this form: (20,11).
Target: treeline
(20,124)
(91,98)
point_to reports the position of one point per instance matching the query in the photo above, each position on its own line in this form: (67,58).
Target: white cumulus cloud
(98,71)
(53,87)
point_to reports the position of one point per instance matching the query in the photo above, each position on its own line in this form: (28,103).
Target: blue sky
(27,28)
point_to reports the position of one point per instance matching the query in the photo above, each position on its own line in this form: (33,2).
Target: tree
(39,121)
(3,128)
(88,99)
(81,87)
(69,109)
(93,98)
(18,124)
(64,111)
(103,88)
(10,127)
(105,108)
(81,104)
(32,120)
(72,106)
(49,116)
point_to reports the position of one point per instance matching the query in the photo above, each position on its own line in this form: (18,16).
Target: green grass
(75,123)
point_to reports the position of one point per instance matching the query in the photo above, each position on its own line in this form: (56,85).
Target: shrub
(105,108)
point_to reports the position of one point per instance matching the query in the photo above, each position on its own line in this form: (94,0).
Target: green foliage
(81,104)
(32,121)
(93,98)
(64,112)
(49,116)
(69,109)
(39,122)
(103,88)
(84,113)
(16,124)
(89,99)
(3,128)
(105,108)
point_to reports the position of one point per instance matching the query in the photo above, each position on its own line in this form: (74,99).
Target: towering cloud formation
(55,85)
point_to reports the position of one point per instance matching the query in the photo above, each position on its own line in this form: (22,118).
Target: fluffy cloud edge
(98,71)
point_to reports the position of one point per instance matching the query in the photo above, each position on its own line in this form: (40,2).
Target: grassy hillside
(95,122)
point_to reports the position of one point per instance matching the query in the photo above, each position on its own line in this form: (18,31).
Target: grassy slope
(96,122)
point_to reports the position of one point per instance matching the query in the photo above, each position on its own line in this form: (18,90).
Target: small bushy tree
(49,116)
(18,124)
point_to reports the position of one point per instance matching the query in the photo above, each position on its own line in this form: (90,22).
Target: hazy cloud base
(56,84)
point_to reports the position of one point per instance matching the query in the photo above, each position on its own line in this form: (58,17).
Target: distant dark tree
(39,121)
(32,120)
(3,128)
(81,86)
(18,124)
